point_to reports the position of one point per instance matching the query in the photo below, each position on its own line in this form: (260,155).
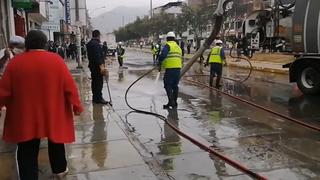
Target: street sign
(52,27)
(68,11)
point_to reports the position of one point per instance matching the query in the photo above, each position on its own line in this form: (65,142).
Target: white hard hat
(171,34)
(218,42)
(16,40)
(120,43)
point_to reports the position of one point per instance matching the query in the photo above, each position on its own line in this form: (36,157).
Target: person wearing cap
(216,58)
(42,98)
(16,46)
(171,60)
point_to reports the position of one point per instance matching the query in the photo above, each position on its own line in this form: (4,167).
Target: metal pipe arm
(218,14)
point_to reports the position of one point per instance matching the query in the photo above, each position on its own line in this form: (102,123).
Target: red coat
(40,95)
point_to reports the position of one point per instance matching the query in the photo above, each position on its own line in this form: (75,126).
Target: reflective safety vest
(120,52)
(155,49)
(215,55)
(174,57)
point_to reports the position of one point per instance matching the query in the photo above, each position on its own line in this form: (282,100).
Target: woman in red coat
(41,98)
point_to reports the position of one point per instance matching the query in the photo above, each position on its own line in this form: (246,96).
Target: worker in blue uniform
(171,60)
(97,67)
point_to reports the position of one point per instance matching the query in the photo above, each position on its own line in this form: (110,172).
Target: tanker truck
(305,70)
(299,21)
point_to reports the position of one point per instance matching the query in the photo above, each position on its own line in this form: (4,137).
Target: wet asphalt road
(263,142)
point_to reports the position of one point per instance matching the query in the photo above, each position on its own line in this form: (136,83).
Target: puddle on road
(277,149)
(248,135)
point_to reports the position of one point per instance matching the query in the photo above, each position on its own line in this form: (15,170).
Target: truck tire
(309,80)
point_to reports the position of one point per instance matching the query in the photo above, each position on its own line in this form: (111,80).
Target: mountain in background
(112,20)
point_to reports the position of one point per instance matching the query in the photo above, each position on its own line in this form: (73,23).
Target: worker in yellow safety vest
(120,53)
(171,60)
(155,52)
(216,58)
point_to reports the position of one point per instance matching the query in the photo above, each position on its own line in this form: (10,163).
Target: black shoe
(102,101)
(175,106)
(166,106)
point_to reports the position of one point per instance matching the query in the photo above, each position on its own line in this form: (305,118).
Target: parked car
(112,49)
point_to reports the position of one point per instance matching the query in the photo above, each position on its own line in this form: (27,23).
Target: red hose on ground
(219,155)
(257,106)
(192,140)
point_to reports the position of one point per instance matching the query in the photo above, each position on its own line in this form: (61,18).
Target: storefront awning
(22,4)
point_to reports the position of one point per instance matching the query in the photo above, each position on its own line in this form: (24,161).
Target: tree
(196,19)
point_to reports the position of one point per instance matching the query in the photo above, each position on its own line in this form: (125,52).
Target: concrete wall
(174,10)
(197,3)
(6,22)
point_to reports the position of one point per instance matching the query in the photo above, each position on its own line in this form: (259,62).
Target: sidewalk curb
(269,70)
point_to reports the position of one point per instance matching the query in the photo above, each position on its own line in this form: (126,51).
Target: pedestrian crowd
(67,50)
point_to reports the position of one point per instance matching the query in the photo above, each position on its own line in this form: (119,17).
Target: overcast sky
(94,6)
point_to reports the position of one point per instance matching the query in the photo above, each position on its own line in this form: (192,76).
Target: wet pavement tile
(136,172)
(99,132)
(102,156)
(187,167)
(238,130)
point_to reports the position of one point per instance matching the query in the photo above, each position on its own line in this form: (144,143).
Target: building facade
(173,8)
(17,17)
(198,3)
(54,26)
(56,18)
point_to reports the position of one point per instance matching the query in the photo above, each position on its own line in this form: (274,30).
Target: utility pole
(277,19)
(78,35)
(122,21)
(151,13)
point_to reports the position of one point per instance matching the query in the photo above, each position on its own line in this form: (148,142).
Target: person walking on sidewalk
(215,59)
(61,51)
(16,46)
(73,50)
(120,53)
(97,67)
(105,49)
(171,59)
(41,98)
(182,47)
(189,47)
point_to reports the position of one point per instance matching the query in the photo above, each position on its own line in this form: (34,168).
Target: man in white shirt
(16,46)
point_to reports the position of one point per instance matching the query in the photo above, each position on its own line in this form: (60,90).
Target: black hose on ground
(202,146)
(244,59)
(235,80)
